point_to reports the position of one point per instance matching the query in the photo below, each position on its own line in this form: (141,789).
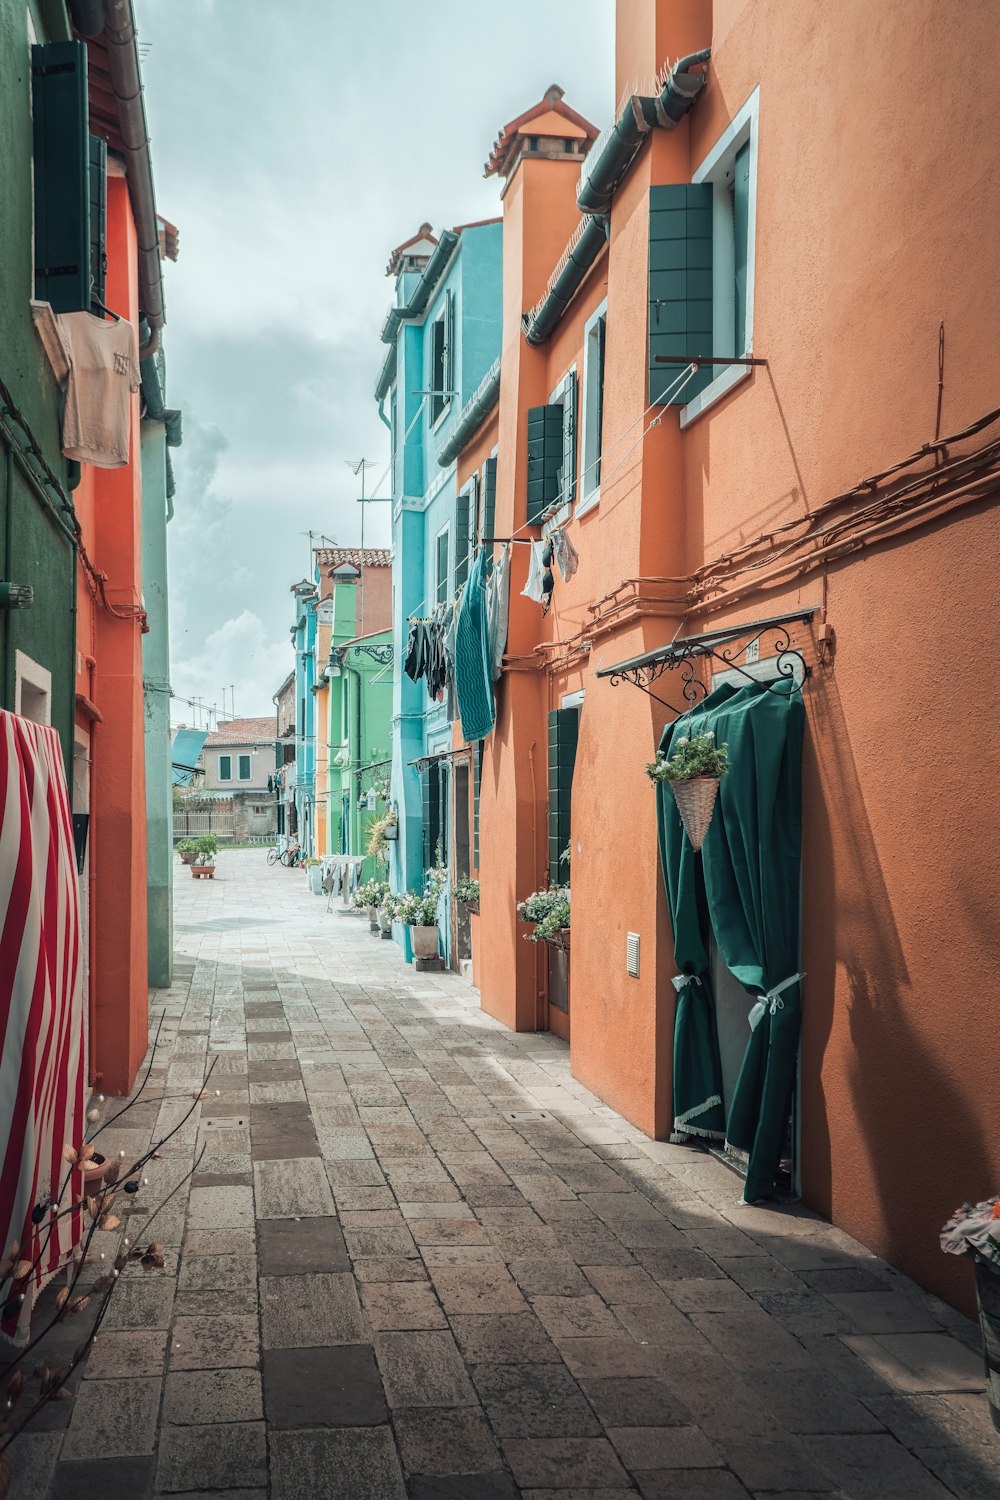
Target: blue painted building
(443,335)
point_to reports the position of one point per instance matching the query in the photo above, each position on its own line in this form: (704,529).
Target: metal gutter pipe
(546,315)
(439,258)
(117,23)
(605,168)
(473,414)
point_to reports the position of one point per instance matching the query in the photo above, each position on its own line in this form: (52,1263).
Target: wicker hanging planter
(695,800)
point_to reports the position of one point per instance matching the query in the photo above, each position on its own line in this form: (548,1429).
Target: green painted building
(37,523)
(357,676)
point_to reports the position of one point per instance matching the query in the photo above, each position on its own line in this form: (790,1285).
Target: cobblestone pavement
(418,1259)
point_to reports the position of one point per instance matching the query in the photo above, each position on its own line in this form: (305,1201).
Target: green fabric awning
(745,890)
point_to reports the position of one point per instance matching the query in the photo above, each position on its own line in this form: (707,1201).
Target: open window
(442,360)
(225,768)
(441,565)
(594,338)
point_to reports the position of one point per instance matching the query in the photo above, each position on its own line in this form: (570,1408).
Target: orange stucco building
(853,255)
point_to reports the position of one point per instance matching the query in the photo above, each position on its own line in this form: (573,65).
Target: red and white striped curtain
(42,1034)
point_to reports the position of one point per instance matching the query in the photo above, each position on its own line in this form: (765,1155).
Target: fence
(219,819)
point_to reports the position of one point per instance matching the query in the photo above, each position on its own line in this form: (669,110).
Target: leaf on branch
(6,1266)
(102,1284)
(121,1260)
(78,1304)
(148,1262)
(86,1151)
(62,1297)
(69,1154)
(110,1221)
(15,1385)
(63,1394)
(21,1270)
(41,1371)
(111,1173)
(93,1209)
(155,1248)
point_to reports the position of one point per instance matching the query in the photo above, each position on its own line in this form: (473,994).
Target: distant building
(284,757)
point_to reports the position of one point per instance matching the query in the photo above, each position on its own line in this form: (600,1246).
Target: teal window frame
(734,228)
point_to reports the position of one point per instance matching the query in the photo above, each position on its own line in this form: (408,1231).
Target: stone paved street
(418,1259)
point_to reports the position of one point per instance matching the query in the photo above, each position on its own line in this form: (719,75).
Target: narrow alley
(416,1258)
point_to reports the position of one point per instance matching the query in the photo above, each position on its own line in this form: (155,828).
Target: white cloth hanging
(534,588)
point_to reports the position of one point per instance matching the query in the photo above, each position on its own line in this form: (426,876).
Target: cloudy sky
(294,144)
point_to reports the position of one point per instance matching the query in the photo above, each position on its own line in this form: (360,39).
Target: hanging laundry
(473,666)
(536,572)
(548,580)
(497,611)
(451,628)
(103,372)
(567,557)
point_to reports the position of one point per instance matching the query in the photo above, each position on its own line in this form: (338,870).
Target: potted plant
(187,849)
(206,849)
(313,867)
(380,830)
(694,771)
(369,897)
(467,890)
(419,912)
(974,1230)
(550,912)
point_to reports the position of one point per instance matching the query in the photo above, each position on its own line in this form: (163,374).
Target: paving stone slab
(693,1484)
(636,1401)
(323,1387)
(226,1341)
(293,1189)
(113,1419)
(290,1247)
(534,1401)
(494,1486)
(423,1369)
(454,1441)
(565,1461)
(920,1361)
(99,1479)
(337,1464)
(115,1356)
(399,1306)
(873,1467)
(221,1208)
(308,1311)
(221,1273)
(219,1456)
(201,1397)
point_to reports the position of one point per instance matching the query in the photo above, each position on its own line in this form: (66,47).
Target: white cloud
(240,652)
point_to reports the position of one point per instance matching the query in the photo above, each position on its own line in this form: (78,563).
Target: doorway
(462,846)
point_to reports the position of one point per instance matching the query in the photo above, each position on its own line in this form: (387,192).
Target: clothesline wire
(680,381)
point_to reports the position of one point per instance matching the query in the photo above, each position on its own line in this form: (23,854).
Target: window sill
(720,386)
(589,502)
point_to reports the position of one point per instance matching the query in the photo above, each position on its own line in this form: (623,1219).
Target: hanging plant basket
(695,800)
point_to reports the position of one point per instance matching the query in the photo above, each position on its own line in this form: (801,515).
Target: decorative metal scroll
(381,653)
(685,657)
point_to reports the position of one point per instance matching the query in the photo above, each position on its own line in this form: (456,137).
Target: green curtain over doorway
(751,867)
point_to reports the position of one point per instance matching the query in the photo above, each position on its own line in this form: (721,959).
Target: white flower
(683,741)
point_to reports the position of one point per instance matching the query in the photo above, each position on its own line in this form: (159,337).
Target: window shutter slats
(568,487)
(741,235)
(463,525)
(477,782)
(564,725)
(545,458)
(62,175)
(680,285)
(98,180)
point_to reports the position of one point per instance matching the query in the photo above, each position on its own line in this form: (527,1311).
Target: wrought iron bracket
(732,650)
(381,653)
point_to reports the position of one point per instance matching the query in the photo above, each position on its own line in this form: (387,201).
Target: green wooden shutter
(489,499)
(602,333)
(463,525)
(741,237)
(564,727)
(98,215)
(545,457)
(62,175)
(441,567)
(680,285)
(568,486)
(430,792)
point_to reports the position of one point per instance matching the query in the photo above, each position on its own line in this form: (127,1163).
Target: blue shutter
(545,457)
(680,285)
(741,247)
(564,727)
(62,175)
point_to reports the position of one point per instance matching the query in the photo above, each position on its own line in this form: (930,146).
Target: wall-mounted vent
(632,954)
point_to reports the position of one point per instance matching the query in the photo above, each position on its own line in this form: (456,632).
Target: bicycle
(291,856)
(273,855)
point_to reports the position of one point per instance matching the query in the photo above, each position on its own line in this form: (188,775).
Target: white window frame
(244,756)
(557,397)
(717,168)
(444,315)
(588,492)
(30,673)
(450,566)
(223,757)
(572,700)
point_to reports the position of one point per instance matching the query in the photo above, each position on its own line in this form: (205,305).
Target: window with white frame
(731,169)
(244,767)
(592,405)
(225,768)
(442,361)
(32,689)
(441,565)
(565,397)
